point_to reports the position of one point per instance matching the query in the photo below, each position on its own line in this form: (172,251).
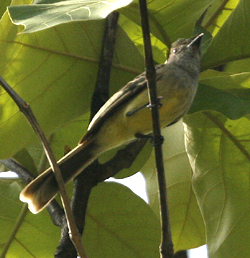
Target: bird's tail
(43,189)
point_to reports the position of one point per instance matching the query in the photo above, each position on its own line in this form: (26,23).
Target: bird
(126,115)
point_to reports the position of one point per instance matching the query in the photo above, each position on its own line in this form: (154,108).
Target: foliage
(43,14)
(208,180)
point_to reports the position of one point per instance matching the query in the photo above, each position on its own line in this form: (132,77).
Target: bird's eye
(174,50)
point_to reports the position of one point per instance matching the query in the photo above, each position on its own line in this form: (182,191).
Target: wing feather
(130,90)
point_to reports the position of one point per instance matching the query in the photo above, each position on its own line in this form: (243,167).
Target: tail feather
(43,189)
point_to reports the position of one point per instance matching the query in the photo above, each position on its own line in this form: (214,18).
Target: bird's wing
(124,94)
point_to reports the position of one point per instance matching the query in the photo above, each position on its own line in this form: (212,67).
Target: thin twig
(26,110)
(166,244)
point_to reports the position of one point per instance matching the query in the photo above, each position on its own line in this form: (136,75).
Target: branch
(26,110)
(101,92)
(166,244)
(181,254)
(124,158)
(18,169)
(84,183)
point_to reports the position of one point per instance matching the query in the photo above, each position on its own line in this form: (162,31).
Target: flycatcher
(126,115)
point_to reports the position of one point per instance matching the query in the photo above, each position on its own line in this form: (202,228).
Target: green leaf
(228,79)
(233,103)
(231,41)
(219,153)
(3,6)
(119,217)
(116,215)
(28,161)
(217,14)
(66,138)
(186,222)
(50,70)
(44,14)
(225,92)
(23,241)
(133,30)
(238,66)
(170,20)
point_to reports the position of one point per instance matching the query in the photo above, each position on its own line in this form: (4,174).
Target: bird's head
(185,52)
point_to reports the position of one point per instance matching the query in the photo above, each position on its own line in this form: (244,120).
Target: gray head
(186,53)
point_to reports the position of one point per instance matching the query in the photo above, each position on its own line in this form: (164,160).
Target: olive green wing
(129,91)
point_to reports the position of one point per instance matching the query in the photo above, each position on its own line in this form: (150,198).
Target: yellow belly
(175,97)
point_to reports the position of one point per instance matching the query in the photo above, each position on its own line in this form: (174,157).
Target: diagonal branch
(26,110)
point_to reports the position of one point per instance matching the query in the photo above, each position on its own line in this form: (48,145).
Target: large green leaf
(228,93)
(115,215)
(231,41)
(233,103)
(170,20)
(217,14)
(3,6)
(50,70)
(133,30)
(219,153)
(118,217)
(186,222)
(45,14)
(33,158)
(19,227)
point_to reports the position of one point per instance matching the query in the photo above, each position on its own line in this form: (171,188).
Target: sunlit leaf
(231,41)
(116,215)
(44,14)
(50,70)
(219,153)
(217,14)
(168,19)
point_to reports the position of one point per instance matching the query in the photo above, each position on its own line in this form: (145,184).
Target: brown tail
(44,188)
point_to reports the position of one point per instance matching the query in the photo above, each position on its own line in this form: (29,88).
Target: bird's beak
(196,41)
